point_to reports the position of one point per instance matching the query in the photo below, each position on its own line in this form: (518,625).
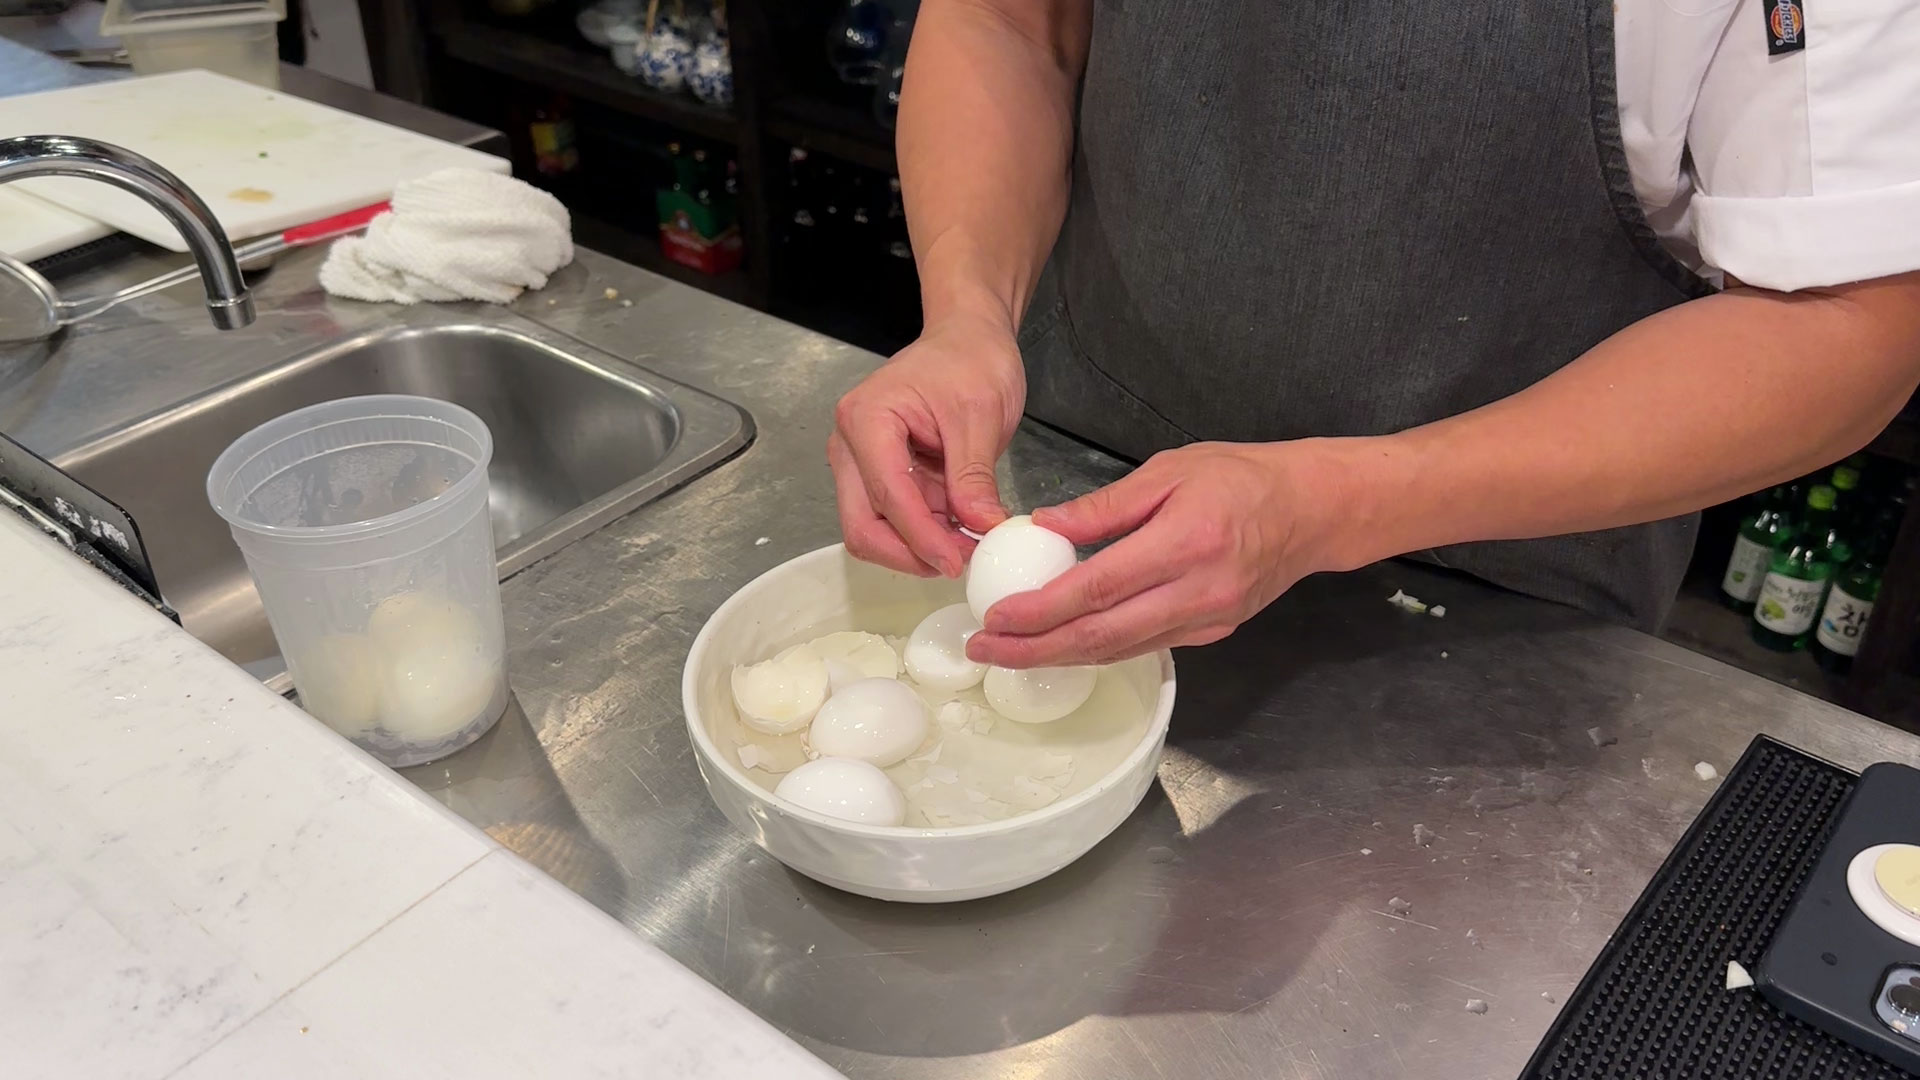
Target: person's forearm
(985,140)
(1694,406)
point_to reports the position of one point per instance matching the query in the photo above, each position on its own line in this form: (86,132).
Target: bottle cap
(1820,497)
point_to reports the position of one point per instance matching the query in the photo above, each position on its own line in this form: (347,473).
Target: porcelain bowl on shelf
(828,590)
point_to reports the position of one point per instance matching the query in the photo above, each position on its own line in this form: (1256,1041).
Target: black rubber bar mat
(1654,1006)
(89,256)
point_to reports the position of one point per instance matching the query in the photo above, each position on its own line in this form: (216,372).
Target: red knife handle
(337,225)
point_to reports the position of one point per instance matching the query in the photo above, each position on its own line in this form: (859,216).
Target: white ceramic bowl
(829,590)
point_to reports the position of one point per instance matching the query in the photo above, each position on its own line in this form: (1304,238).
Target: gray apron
(1351,218)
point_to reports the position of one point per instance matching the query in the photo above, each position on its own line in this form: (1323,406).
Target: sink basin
(580,438)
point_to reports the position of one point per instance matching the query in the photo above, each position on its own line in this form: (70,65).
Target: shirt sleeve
(1806,164)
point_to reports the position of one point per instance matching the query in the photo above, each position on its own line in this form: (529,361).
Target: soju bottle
(1798,571)
(1843,621)
(1851,510)
(1752,549)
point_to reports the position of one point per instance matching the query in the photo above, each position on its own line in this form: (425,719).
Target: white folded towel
(458,234)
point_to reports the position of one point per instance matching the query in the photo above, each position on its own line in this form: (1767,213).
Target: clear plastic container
(240,39)
(364,523)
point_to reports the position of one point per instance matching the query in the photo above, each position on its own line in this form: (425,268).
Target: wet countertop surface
(1512,773)
(1364,819)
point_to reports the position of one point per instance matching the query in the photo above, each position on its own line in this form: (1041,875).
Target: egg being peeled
(845,788)
(1016,556)
(1039,695)
(878,721)
(779,696)
(936,653)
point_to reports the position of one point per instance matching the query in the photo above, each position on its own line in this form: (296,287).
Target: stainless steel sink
(580,438)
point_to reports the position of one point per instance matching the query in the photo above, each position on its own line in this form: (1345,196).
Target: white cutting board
(33,228)
(263,160)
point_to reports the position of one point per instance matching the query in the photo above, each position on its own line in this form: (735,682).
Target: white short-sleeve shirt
(1785,171)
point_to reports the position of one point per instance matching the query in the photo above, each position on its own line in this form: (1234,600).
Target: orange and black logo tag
(1786,25)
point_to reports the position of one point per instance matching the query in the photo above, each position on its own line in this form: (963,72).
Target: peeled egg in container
(780,696)
(406,617)
(340,683)
(852,655)
(936,654)
(879,721)
(438,674)
(1039,695)
(845,788)
(1015,556)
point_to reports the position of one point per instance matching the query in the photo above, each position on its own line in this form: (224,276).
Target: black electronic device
(1846,958)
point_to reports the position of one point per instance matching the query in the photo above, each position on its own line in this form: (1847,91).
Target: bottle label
(1745,570)
(1788,605)
(1842,623)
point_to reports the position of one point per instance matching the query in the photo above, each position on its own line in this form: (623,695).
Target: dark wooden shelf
(1701,623)
(643,250)
(1900,441)
(843,131)
(582,72)
(486,70)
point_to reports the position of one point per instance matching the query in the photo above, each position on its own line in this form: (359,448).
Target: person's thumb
(1118,508)
(973,493)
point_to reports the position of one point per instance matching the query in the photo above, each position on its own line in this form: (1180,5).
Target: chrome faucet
(65,155)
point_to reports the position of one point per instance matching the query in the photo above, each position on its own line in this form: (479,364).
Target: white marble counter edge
(198,879)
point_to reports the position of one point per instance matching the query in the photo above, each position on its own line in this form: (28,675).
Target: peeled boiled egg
(936,654)
(439,673)
(406,617)
(431,692)
(845,788)
(852,655)
(339,682)
(1039,695)
(1016,556)
(780,696)
(879,721)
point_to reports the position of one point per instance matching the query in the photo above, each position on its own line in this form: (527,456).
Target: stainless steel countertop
(1240,924)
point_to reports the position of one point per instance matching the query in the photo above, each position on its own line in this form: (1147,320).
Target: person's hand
(914,446)
(1214,532)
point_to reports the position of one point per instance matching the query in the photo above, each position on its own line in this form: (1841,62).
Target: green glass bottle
(1798,571)
(1851,509)
(1753,548)
(1843,620)
(1841,532)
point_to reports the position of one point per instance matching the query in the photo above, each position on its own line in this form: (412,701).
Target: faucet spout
(65,155)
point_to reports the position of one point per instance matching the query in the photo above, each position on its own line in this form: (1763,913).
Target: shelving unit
(582,72)
(1884,679)
(1900,441)
(643,250)
(832,128)
(1701,623)
(458,57)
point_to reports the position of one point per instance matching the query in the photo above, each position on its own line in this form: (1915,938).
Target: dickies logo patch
(1786,26)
